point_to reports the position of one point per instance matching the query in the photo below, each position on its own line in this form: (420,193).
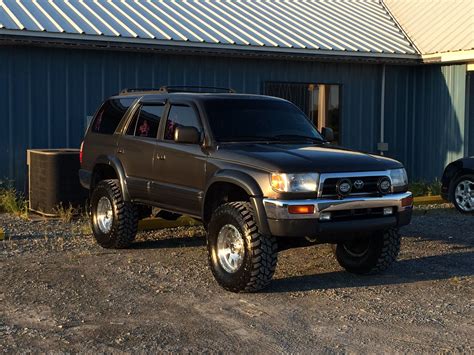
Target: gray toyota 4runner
(253,169)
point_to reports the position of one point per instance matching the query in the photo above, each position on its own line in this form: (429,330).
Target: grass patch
(82,227)
(11,201)
(425,188)
(66,214)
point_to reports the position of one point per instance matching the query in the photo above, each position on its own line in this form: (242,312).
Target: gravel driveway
(61,292)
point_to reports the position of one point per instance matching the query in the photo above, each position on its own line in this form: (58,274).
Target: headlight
(307,182)
(399,179)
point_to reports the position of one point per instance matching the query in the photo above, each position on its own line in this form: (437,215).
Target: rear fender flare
(115,163)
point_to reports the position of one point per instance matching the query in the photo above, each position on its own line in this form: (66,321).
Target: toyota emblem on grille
(344,187)
(358,184)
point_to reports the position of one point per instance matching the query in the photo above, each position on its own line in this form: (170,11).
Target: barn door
(469,151)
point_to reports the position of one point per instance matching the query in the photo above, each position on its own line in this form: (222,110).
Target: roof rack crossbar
(133,90)
(191,88)
(171,89)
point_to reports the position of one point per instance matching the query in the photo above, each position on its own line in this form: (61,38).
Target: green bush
(424,188)
(11,201)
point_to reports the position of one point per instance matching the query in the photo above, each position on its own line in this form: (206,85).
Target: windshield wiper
(277,138)
(299,137)
(249,139)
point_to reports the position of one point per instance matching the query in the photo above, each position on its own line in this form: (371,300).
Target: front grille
(329,188)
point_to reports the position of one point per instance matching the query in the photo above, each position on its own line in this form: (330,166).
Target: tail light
(80,152)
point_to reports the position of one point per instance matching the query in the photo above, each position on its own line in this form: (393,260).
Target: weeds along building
(393,76)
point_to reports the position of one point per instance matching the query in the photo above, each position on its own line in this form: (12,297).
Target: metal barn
(348,64)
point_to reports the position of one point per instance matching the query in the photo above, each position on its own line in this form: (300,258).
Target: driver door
(180,167)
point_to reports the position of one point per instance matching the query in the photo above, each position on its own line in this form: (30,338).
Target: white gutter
(449,57)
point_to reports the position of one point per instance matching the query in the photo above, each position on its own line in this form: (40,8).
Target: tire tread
(125,226)
(381,254)
(389,252)
(263,248)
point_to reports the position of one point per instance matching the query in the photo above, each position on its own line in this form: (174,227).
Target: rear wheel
(463,194)
(241,259)
(114,221)
(372,254)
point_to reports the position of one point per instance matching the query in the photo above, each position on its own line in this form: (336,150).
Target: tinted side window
(110,115)
(180,116)
(148,121)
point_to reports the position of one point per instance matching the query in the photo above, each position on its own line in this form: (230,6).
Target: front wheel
(371,254)
(241,259)
(463,194)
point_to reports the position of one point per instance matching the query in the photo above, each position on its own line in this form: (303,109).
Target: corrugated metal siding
(436,25)
(425,113)
(352,26)
(48,93)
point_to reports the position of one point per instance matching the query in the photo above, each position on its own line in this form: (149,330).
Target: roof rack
(171,89)
(137,90)
(202,89)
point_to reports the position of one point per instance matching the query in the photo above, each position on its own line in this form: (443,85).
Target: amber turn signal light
(301,209)
(407,201)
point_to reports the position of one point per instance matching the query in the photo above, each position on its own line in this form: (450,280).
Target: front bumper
(283,224)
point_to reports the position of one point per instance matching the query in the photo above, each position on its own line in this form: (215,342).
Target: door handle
(120,151)
(160,156)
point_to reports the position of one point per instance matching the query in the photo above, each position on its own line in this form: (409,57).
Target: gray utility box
(53,180)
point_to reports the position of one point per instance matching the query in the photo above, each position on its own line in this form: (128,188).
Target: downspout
(382,147)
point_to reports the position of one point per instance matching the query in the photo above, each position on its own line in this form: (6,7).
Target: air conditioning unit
(53,180)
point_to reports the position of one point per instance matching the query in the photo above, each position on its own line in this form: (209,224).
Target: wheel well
(456,176)
(462,172)
(220,193)
(102,172)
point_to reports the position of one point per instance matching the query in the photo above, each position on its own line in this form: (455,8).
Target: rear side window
(146,121)
(110,115)
(180,116)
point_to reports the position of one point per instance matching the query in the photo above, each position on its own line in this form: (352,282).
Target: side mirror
(187,134)
(328,134)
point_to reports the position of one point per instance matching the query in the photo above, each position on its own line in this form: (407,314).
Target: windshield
(258,120)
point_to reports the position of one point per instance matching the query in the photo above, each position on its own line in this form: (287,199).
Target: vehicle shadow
(438,267)
(169,242)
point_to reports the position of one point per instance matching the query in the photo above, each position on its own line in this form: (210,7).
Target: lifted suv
(253,169)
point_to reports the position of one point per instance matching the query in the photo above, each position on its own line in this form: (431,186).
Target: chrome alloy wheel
(357,248)
(104,215)
(230,248)
(464,195)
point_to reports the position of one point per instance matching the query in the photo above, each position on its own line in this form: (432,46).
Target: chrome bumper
(278,209)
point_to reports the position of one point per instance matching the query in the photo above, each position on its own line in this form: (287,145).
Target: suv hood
(303,158)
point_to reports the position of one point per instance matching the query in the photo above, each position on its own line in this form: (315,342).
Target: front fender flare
(250,186)
(238,178)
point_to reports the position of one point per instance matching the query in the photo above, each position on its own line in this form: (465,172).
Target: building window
(470,112)
(320,102)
